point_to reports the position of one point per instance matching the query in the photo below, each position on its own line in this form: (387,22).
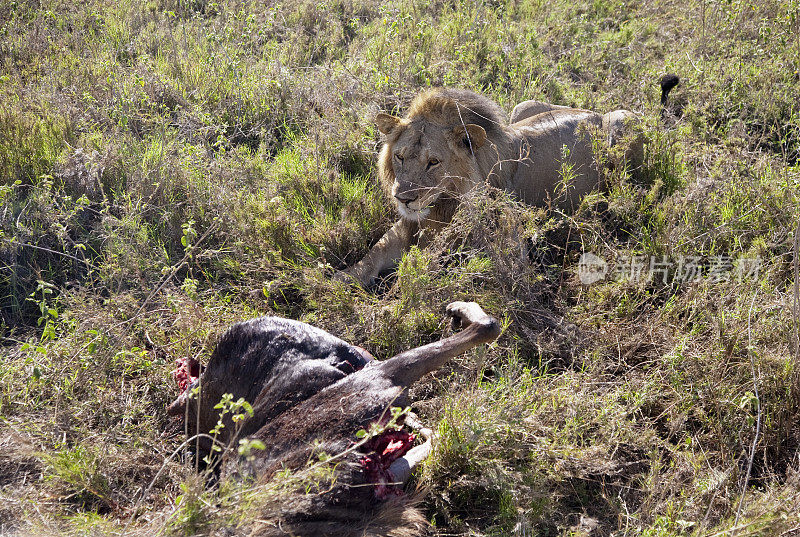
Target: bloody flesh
(382,451)
(187,370)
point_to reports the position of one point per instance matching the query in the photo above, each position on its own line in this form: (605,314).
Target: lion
(452,140)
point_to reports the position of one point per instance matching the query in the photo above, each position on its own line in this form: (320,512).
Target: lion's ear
(471,134)
(386,123)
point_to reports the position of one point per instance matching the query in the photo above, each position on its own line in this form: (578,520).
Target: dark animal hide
(311,392)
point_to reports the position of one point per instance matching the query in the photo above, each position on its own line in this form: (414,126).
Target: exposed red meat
(382,451)
(187,370)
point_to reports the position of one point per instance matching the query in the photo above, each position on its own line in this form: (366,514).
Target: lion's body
(452,140)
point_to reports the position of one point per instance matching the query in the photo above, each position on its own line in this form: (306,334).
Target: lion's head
(434,151)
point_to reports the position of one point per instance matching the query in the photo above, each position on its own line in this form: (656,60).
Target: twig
(796,304)
(722,532)
(693,64)
(172,272)
(48,250)
(758,414)
(469,140)
(790,530)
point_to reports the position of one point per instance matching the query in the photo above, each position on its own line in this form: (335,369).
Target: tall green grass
(168,168)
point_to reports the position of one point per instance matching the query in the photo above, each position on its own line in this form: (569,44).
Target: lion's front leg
(386,253)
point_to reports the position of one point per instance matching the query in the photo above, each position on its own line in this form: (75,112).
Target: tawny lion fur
(452,140)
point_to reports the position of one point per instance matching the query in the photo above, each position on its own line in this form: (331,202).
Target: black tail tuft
(668,81)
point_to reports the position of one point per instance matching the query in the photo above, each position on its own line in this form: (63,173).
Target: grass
(170,167)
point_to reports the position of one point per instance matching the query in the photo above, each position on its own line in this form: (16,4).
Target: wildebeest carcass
(312,392)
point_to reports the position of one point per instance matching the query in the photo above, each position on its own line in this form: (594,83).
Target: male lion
(451,140)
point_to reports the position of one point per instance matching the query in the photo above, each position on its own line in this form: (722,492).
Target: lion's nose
(406,197)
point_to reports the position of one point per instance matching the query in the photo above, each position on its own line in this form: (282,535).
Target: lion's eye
(432,162)
(398,157)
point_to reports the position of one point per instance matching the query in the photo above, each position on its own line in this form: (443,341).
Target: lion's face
(426,160)
(421,160)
